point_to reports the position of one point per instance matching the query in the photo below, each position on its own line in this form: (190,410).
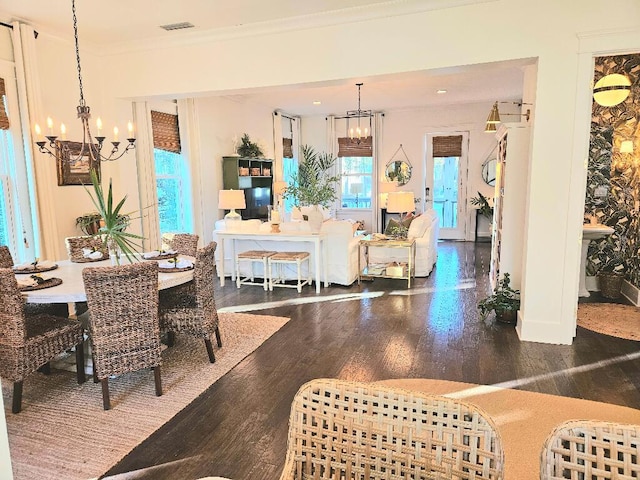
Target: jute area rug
(63,432)
(611,319)
(524,419)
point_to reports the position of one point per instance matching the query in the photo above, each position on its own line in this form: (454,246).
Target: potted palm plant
(505,302)
(113,225)
(314,184)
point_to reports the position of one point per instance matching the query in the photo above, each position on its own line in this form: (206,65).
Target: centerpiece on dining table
(114,223)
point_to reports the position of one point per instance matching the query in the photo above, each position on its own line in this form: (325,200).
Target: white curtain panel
(378,134)
(43,173)
(296,129)
(190,145)
(146,176)
(277,145)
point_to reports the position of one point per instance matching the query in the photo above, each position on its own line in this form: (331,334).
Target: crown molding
(390,8)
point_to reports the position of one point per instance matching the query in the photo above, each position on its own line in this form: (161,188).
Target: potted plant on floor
(505,302)
(113,226)
(314,184)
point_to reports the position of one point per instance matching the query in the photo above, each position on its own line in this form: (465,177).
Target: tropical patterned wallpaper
(617,174)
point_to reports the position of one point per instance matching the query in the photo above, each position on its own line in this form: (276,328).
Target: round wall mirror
(398,171)
(489,171)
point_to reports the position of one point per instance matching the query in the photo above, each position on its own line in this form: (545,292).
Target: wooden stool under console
(282,258)
(254,256)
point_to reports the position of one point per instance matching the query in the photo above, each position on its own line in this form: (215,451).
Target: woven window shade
(4,119)
(349,148)
(287,148)
(447,146)
(166,134)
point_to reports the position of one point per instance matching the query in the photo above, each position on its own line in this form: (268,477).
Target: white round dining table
(72,287)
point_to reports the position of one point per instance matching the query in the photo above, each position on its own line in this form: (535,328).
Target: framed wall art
(73,168)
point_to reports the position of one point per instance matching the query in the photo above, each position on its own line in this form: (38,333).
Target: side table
(381,271)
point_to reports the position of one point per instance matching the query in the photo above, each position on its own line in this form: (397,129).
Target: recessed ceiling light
(441,90)
(317,102)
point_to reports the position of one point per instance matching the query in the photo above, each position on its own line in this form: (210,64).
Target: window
(356,180)
(172,175)
(169,183)
(289,171)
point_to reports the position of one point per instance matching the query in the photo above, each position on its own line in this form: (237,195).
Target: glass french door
(446,179)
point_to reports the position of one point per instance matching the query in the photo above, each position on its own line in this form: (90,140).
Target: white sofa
(424,228)
(342,248)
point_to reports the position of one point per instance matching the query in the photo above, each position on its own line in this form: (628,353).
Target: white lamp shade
(231,199)
(400,202)
(611,90)
(356,188)
(626,146)
(279,187)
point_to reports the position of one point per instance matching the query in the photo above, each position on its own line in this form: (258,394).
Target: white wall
(220,119)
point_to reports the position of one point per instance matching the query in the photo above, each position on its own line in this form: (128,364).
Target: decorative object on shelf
(484,206)
(494,116)
(401,203)
(73,153)
(314,184)
(249,149)
(505,302)
(113,227)
(231,200)
(399,170)
(611,90)
(357,134)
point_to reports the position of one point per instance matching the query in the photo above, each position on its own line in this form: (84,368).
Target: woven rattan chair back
(12,319)
(346,430)
(76,244)
(183,243)
(582,449)
(28,342)
(6,260)
(123,320)
(192,310)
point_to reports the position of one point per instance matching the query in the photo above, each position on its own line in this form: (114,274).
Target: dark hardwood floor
(379,330)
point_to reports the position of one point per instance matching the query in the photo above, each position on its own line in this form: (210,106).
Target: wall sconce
(494,116)
(611,90)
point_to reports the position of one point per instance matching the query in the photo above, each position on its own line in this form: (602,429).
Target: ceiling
(135,21)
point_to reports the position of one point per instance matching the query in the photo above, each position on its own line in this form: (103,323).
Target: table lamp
(400,202)
(230,200)
(356,189)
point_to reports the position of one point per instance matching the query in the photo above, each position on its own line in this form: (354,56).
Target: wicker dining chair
(76,244)
(183,243)
(55,309)
(30,342)
(193,311)
(364,431)
(123,321)
(591,450)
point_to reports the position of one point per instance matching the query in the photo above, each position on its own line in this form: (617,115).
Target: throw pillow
(393,224)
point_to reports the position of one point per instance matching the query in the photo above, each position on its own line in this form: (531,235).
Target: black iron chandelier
(89,148)
(355,131)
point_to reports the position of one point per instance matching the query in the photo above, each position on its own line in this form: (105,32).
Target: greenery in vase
(113,227)
(485,207)
(503,299)
(249,149)
(314,184)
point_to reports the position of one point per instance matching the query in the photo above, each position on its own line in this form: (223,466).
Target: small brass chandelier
(88,148)
(357,134)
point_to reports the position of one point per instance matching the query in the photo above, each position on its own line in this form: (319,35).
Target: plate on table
(35,269)
(160,255)
(47,283)
(88,259)
(174,269)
